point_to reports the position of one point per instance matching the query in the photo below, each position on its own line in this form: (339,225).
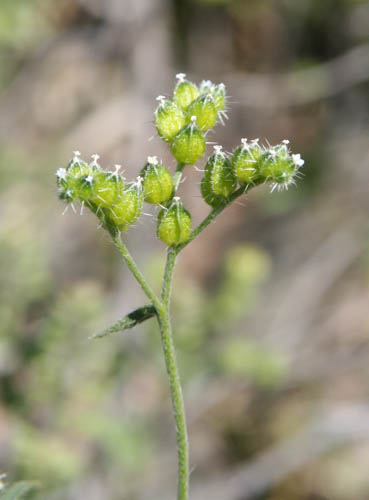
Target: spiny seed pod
(185,92)
(174,224)
(246,161)
(219,180)
(127,207)
(169,119)
(204,110)
(75,182)
(219,96)
(189,145)
(107,186)
(157,181)
(278,165)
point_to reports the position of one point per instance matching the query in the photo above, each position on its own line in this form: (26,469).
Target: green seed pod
(189,145)
(174,224)
(206,87)
(219,180)
(246,161)
(75,182)
(107,186)
(127,207)
(169,119)
(279,165)
(219,96)
(185,92)
(157,182)
(204,110)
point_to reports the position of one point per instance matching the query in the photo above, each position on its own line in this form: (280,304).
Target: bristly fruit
(219,180)
(127,207)
(185,92)
(174,224)
(169,119)
(204,110)
(280,166)
(157,182)
(246,161)
(189,145)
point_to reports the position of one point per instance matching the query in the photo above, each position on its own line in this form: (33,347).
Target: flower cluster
(183,123)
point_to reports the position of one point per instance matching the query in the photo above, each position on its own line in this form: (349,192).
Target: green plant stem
(174,379)
(123,250)
(163,314)
(214,213)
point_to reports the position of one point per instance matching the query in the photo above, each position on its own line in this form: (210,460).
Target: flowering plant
(183,123)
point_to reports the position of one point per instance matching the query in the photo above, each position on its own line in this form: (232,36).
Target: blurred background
(271,302)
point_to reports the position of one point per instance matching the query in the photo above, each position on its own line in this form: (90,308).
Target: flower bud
(185,92)
(174,224)
(157,182)
(204,110)
(169,119)
(219,180)
(127,207)
(189,145)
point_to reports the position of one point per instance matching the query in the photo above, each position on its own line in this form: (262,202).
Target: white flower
(297,160)
(153,160)
(181,76)
(61,173)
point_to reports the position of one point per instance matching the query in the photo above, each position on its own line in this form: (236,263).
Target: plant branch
(214,213)
(174,380)
(135,270)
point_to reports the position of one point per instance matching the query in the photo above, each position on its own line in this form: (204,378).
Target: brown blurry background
(271,302)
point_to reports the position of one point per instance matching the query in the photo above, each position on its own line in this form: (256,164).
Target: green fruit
(246,161)
(157,182)
(174,224)
(205,112)
(189,145)
(169,119)
(219,96)
(127,207)
(219,180)
(106,189)
(185,92)
(279,166)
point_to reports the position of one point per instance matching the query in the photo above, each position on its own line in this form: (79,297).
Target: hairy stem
(123,250)
(163,314)
(174,380)
(213,213)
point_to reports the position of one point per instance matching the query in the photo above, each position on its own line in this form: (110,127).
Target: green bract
(169,119)
(174,224)
(185,92)
(246,161)
(219,180)
(189,145)
(157,182)
(205,112)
